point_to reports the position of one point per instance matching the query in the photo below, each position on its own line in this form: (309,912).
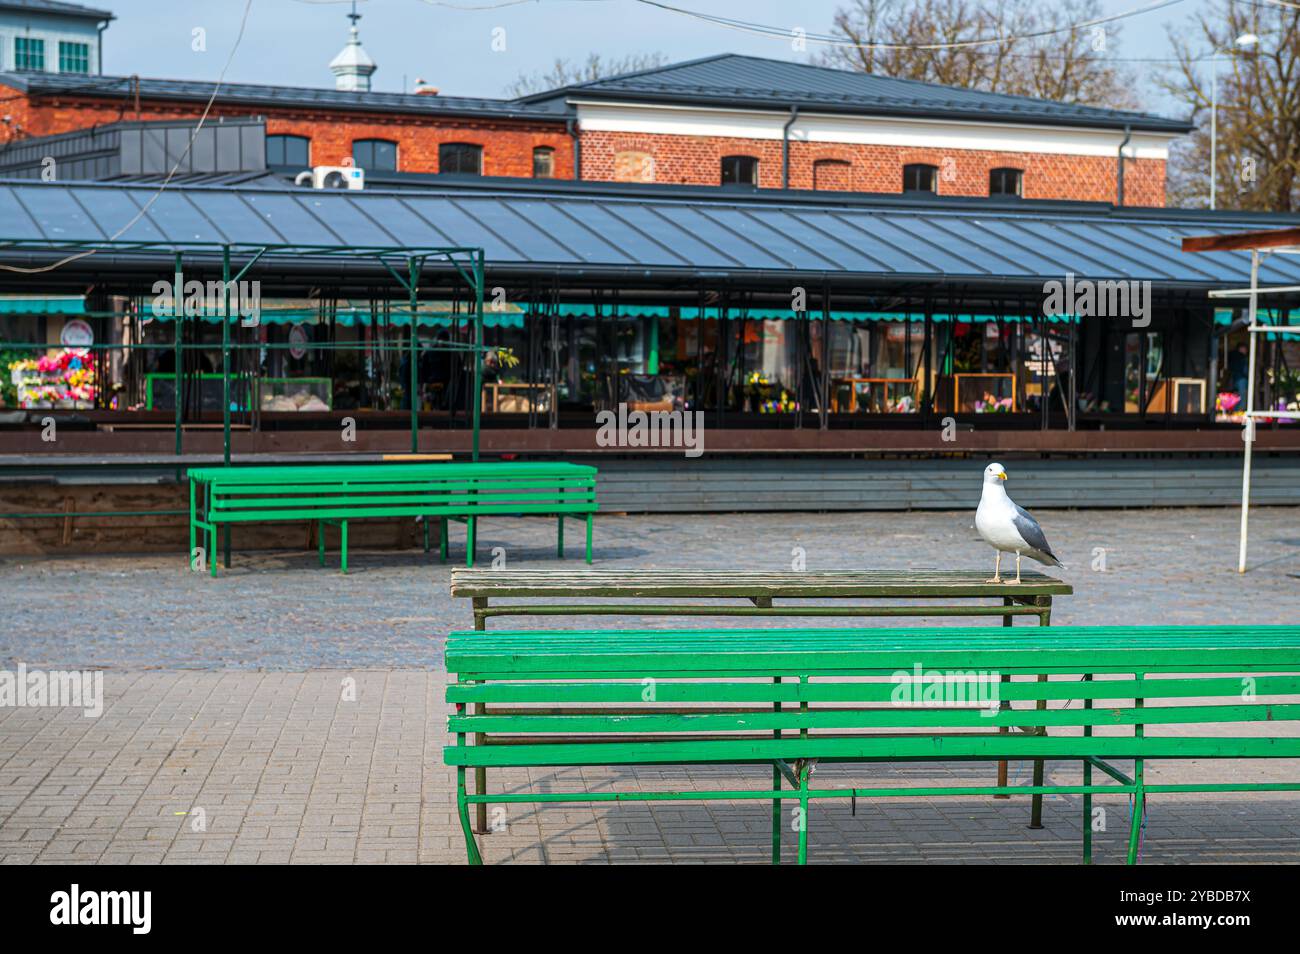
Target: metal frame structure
(1260,245)
(463,261)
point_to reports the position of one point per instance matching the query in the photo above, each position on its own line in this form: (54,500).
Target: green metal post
(803,812)
(1007,620)
(1036,801)
(225,355)
(776,786)
(178,321)
(1087,780)
(588,539)
(559,536)
(413,273)
(480,738)
(1135,824)
(225,377)
(478,348)
(804,772)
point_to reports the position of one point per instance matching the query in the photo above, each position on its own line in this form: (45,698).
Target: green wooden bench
(336,494)
(790,698)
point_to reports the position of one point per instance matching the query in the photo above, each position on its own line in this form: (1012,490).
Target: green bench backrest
(398,489)
(710,695)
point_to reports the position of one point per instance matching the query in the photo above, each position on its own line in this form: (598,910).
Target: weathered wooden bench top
(653,582)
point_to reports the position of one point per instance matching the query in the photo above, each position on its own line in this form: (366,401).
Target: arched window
(739,170)
(288,151)
(833,175)
(919,177)
(377,155)
(543,162)
(462,157)
(1006,181)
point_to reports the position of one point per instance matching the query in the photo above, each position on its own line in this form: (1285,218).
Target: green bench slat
(897,718)
(789,692)
(813,651)
(406,469)
(435,499)
(949,747)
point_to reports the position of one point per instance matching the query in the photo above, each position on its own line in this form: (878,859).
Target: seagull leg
(997,569)
(1017,579)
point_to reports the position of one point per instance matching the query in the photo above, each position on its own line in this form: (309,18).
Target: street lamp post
(1245,41)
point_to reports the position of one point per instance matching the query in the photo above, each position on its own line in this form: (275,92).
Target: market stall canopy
(430,314)
(652,233)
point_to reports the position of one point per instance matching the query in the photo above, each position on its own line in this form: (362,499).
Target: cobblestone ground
(225,702)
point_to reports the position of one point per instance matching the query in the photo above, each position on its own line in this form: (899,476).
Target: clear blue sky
(291,42)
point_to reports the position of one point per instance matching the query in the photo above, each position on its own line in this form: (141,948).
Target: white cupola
(353,66)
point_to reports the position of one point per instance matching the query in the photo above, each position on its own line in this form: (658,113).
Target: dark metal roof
(654,235)
(252,94)
(56,8)
(734,80)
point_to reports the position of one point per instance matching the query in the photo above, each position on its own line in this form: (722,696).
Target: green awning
(348,317)
(567,310)
(1265,316)
(772,314)
(23,305)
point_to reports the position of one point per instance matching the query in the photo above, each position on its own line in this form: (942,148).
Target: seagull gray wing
(1030,531)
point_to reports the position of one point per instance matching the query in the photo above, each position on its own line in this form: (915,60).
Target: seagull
(1009,528)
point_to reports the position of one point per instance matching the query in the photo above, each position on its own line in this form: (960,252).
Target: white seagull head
(994,474)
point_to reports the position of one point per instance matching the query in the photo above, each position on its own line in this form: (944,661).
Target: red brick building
(773,124)
(725,120)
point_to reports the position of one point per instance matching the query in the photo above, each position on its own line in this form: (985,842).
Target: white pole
(1214,127)
(1248,434)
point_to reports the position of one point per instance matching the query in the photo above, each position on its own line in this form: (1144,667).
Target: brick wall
(696,160)
(507,145)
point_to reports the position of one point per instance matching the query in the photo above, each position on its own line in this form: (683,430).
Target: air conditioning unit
(333,177)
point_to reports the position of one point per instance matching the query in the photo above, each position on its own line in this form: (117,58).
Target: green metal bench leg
(320,541)
(803,812)
(469,541)
(190,556)
(344,545)
(776,785)
(1135,826)
(213,556)
(425,524)
(1036,802)
(588,539)
(471,848)
(559,536)
(442,539)
(1087,780)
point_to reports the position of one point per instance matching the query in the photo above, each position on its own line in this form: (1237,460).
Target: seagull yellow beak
(1002,475)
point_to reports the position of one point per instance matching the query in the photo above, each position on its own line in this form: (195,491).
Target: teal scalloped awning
(350,317)
(772,314)
(22,305)
(1266,316)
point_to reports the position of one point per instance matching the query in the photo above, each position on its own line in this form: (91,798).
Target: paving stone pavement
(284,713)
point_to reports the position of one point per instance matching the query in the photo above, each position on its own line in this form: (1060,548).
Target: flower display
(65,378)
(993,405)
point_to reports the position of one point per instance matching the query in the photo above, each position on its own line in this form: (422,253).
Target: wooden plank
(746,584)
